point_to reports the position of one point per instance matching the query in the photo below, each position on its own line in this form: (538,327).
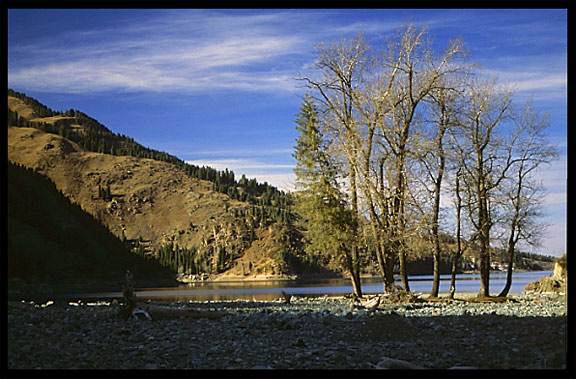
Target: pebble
(305,334)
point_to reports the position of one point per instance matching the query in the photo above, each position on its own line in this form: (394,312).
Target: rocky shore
(527,331)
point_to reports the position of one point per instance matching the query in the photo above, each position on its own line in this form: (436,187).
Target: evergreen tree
(319,200)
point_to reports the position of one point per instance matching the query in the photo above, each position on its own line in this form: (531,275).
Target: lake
(265,290)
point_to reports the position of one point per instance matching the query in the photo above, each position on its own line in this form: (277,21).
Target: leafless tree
(445,108)
(521,193)
(485,159)
(342,65)
(419,74)
(371,103)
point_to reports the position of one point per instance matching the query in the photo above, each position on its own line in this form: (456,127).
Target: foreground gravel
(320,333)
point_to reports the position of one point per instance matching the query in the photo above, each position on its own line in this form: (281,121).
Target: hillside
(154,204)
(53,242)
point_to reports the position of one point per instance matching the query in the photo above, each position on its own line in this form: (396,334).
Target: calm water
(271,289)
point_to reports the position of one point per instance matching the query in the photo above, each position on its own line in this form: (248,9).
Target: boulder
(463,368)
(560,266)
(395,364)
(555,283)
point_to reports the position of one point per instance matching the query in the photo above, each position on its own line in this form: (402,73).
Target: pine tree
(319,199)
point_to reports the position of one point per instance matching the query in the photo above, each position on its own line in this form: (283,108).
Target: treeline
(95,137)
(191,261)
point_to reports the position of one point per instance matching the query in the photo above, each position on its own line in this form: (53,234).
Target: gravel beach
(309,333)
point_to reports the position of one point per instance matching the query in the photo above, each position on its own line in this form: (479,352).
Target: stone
(463,368)
(391,363)
(556,283)
(560,269)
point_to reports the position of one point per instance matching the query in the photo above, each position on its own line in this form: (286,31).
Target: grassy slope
(152,201)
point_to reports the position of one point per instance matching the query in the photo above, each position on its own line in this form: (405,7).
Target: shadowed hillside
(54,242)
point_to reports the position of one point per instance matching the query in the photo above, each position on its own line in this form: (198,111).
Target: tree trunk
(353,271)
(386,263)
(453,277)
(356,284)
(355,264)
(511,244)
(403,269)
(485,272)
(436,212)
(484,226)
(436,246)
(381,263)
(458,236)
(436,276)
(484,240)
(399,232)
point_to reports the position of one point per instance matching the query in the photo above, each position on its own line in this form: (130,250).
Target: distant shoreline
(296,277)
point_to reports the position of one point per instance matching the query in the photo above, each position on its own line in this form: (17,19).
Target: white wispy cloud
(191,51)
(540,84)
(277,174)
(240,164)
(169,53)
(259,152)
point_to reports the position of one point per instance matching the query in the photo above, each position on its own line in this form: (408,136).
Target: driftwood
(391,363)
(133,310)
(286,297)
(368,304)
(130,308)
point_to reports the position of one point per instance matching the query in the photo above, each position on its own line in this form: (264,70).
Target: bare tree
(420,73)
(342,66)
(521,192)
(370,105)
(485,159)
(445,104)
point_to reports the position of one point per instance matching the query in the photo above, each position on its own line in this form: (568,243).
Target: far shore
(296,277)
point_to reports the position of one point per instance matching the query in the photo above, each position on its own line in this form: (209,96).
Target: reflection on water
(266,290)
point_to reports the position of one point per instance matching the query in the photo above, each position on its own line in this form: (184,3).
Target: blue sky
(217,87)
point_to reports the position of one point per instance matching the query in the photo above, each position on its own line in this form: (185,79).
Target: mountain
(154,201)
(53,242)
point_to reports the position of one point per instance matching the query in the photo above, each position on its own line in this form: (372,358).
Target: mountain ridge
(154,203)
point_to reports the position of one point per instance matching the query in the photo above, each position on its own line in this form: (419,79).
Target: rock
(560,266)
(391,363)
(463,368)
(546,285)
(555,283)
(299,344)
